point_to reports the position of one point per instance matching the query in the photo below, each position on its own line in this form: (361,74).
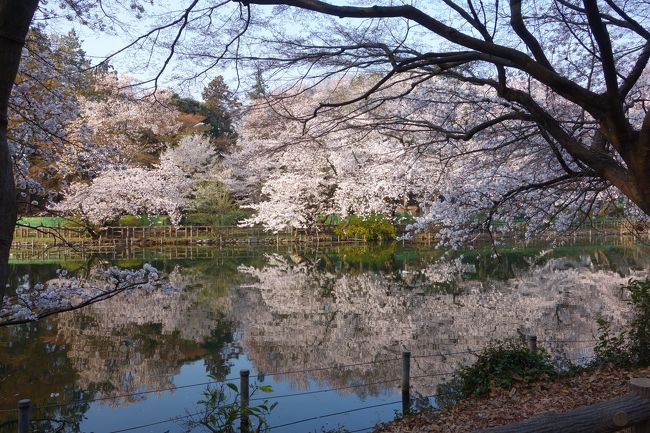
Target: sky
(99,45)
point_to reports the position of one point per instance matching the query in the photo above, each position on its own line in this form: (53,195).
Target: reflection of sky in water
(290,409)
(348,307)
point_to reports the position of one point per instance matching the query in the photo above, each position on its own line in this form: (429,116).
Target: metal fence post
(531,341)
(406,383)
(244,399)
(23,415)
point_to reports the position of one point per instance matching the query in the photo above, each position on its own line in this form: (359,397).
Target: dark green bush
(374,227)
(631,347)
(502,364)
(221,410)
(229,218)
(142,220)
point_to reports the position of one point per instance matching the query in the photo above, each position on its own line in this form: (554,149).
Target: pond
(325,328)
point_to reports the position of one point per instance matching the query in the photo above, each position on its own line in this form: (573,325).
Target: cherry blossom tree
(363,161)
(166,188)
(48,139)
(565,78)
(586,56)
(49,142)
(294,175)
(572,69)
(564,82)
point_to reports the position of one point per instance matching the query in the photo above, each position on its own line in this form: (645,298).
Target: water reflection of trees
(309,309)
(301,315)
(34,365)
(121,346)
(138,343)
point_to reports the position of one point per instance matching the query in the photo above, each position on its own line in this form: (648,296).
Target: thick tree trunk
(15,18)
(640,165)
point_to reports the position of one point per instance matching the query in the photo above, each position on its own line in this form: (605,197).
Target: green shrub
(129,221)
(631,347)
(331,219)
(220,414)
(611,348)
(502,365)
(142,220)
(229,218)
(373,227)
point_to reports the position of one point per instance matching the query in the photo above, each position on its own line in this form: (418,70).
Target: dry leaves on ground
(521,402)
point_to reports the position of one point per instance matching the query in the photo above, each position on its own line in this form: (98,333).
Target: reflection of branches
(68,294)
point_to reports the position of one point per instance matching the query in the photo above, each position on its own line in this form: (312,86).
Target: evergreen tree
(259,89)
(221,107)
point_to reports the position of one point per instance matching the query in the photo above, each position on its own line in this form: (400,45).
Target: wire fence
(386,382)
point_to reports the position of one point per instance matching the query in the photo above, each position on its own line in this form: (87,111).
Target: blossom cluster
(165,188)
(470,161)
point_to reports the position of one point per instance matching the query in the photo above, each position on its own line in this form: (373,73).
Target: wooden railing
(234,234)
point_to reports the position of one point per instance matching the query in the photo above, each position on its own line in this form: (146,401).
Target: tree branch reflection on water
(354,309)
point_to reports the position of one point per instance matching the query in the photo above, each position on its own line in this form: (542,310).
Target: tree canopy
(520,108)
(572,72)
(575,71)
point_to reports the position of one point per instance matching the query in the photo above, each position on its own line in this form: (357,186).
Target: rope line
(432,375)
(180,417)
(343,412)
(361,429)
(443,354)
(378,424)
(173,388)
(156,423)
(271,397)
(133,394)
(279,373)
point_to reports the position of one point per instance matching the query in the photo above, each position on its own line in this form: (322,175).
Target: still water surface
(300,312)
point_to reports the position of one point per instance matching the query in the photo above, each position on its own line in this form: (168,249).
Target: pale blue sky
(100,45)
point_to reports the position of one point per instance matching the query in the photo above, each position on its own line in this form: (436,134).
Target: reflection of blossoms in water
(296,316)
(137,341)
(445,271)
(32,302)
